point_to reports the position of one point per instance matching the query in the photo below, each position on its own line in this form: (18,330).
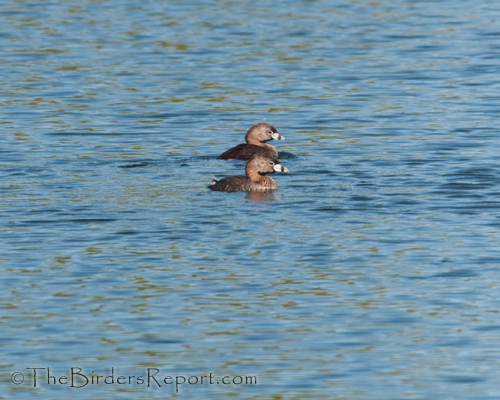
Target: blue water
(371,274)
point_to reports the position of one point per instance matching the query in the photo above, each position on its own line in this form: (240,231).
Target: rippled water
(372,273)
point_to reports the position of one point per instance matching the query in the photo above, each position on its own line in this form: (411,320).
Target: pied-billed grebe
(256,138)
(255,179)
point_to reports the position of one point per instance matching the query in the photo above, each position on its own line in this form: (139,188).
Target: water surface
(372,273)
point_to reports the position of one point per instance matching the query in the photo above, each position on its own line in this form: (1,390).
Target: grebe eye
(270,133)
(271,163)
